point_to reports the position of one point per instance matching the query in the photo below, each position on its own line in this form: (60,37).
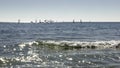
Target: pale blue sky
(87,10)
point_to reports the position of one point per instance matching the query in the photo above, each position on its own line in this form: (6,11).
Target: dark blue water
(14,34)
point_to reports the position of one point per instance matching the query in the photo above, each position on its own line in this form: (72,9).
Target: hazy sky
(59,10)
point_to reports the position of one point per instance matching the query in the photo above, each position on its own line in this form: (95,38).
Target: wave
(73,44)
(42,58)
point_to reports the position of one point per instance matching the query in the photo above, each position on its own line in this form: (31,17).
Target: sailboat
(18,20)
(80,20)
(73,21)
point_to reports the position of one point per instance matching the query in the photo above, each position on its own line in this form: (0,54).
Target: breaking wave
(74,44)
(46,53)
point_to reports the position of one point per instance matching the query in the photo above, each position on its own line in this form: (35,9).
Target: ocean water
(60,45)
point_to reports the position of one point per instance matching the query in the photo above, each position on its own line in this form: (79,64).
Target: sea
(60,45)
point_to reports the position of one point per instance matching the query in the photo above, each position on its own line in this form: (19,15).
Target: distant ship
(80,20)
(31,22)
(18,20)
(77,22)
(73,21)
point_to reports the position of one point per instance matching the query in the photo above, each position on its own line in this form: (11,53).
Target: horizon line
(64,22)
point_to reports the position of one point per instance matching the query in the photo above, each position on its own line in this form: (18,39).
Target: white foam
(22,45)
(98,44)
(69,58)
(2,60)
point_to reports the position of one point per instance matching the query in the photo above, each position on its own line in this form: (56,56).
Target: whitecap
(79,44)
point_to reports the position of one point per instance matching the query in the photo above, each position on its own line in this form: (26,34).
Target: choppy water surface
(62,45)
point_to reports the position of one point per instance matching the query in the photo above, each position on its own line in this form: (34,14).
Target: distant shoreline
(59,22)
